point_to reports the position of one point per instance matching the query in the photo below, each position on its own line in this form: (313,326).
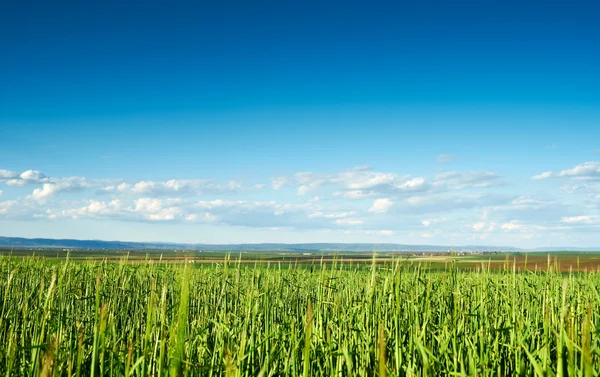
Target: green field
(475,315)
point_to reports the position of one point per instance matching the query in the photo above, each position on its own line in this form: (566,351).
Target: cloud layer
(465,206)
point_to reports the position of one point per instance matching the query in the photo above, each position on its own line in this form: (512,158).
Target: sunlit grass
(396,319)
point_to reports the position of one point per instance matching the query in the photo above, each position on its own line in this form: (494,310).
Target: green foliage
(394,319)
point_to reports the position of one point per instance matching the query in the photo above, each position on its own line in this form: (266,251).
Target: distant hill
(567,248)
(7,242)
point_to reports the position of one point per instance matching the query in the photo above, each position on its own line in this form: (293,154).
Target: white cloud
(182,187)
(412,185)
(359,182)
(511,225)
(123,187)
(355,194)
(381,205)
(544,175)
(479,226)
(331,215)
(350,222)
(309,181)
(417,203)
(28,177)
(7,174)
(17,209)
(470,179)
(7,206)
(148,205)
(482,226)
(90,209)
(205,217)
(279,182)
(375,232)
(527,202)
(47,190)
(60,185)
(52,186)
(158,209)
(32,176)
(586,171)
(576,219)
(445,158)
(303,190)
(428,222)
(449,202)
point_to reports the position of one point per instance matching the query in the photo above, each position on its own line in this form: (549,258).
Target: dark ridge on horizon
(19,242)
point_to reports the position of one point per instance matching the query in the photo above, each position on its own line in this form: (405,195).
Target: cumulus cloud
(544,175)
(5,206)
(157,209)
(187,187)
(511,225)
(89,209)
(28,177)
(61,185)
(279,182)
(445,158)
(580,188)
(482,226)
(414,184)
(360,179)
(46,191)
(219,212)
(362,198)
(479,226)
(358,182)
(586,171)
(32,176)
(51,186)
(14,209)
(381,205)
(428,222)
(7,174)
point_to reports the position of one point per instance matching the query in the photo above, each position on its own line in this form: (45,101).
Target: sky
(415,122)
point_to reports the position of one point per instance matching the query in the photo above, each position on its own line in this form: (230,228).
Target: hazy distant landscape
(8,242)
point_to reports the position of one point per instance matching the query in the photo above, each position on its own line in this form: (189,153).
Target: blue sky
(274,121)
